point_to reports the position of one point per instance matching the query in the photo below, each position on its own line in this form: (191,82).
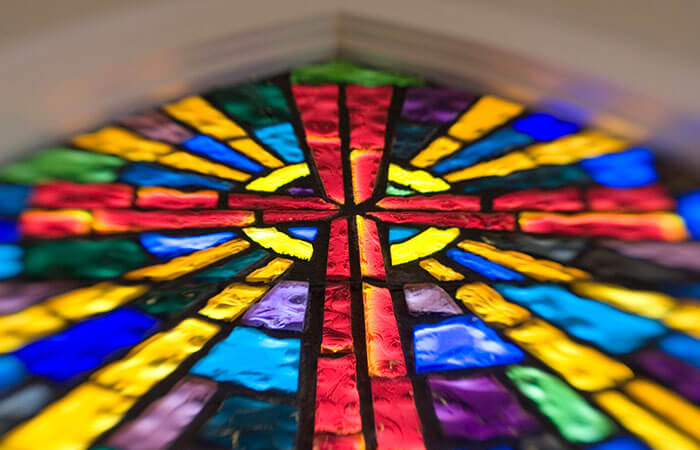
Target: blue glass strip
(12,372)
(621,443)
(253,359)
(10,260)
(688,207)
(86,345)
(166,247)
(682,347)
(499,142)
(282,139)
(483,266)
(308,233)
(612,330)
(397,234)
(628,169)
(461,342)
(13,199)
(544,127)
(9,232)
(141,174)
(206,146)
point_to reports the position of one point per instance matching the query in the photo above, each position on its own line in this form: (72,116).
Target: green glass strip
(63,164)
(571,414)
(347,72)
(83,259)
(394,190)
(259,104)
(230,268)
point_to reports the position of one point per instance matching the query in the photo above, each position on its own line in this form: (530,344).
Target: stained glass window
(346,258)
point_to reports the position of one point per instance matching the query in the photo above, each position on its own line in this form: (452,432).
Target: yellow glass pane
(539,269)
(583,367)
(278,178)
(438,148)
(685,317)
(280,242)
(419,180)
(423,244)
(487,113)
(254,151)
(665,403)
(198,113)
(644,424)
(645,303)
(571,149)
(499,167)
(440,271)
(183,265)
(72,422)
(488,304)
(120,142)
(155,358)
(87,301)
(27,325)
(186,161)
(233,301)
(270,271)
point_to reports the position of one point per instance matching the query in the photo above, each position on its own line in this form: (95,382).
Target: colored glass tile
(248,423)
(282,139)
(682,255)
(13,371)
(426,243)
(460,342)
(660,226)
(420,180)
(294,215)
(173,301)
(188,161)
(338,264)
(155,358)
(123,143)
(282,308)
(233,301)
(646,303)
(683,377)
(15,198)
(55,224)
(22,404)
(278,178)
(166,418)
(485,114)
(270,271)
(157,126)
(439,148)
(348,72)
(62,194)
(566,199)
(683,347)
(336,335)
(689,210)
(9,231)
(337,398)
(308,233)
(201,115)
(166,247)
(164,198)
(582,367)
(628,169)
(646,425)
(364,167)
(488,304)
(482,266)
(119,221)
(544,127)
(608,328)
(63,164)
(433,104)
(548,177)
(10,261)
(384,354)
(483,221)
(440,271)
(231,268)
(429,298)
(256,103)
(398,234)
(215,150)
(440,202)
(645,198)
(478,408)
(396,421)
(280,242)
(576,420)
(371,259)
(254,360)
(86,345)
(142,174)
(277,202)
(409,138)
(18,295)
(183,265)
(254,151)
(82,258)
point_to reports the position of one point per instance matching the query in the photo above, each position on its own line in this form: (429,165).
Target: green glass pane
(347,72)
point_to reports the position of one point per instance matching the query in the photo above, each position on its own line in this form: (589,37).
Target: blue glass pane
(166,247)
(397,234)
(628,169)
(483,266)
(682,347)
(544,127)
(142,174)
(308,233)
(206,146)
(281,138)
(14,199)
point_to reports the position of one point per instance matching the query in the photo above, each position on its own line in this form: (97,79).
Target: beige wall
(71,64)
